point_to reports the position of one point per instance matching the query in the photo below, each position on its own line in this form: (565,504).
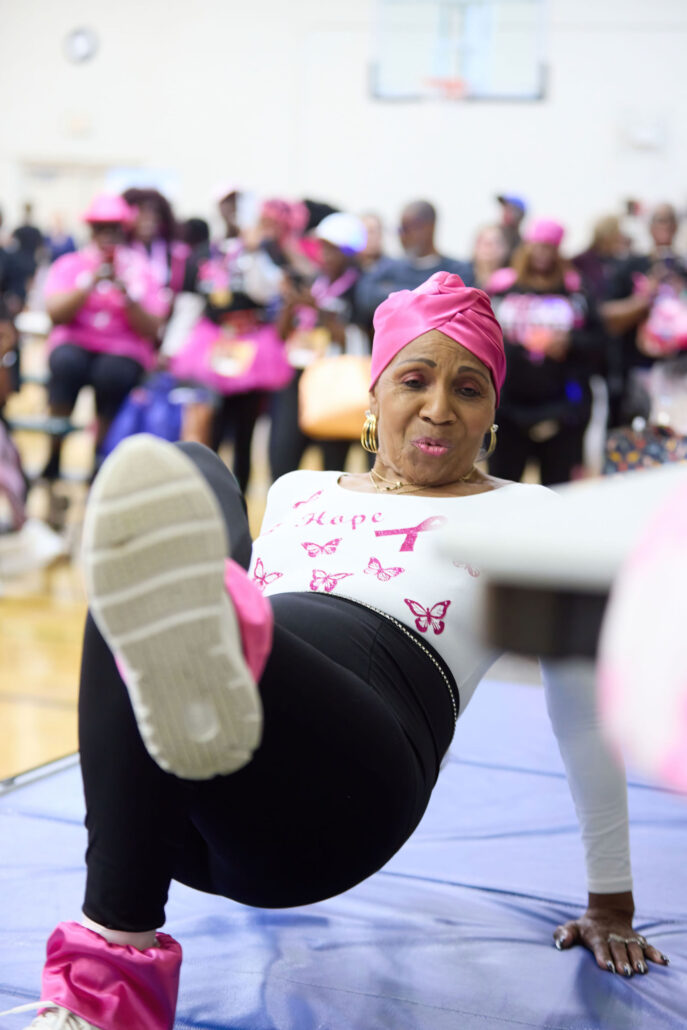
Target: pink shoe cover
(110,986)
(254,614)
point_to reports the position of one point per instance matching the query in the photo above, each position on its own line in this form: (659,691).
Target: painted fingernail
(610,966)
(641,968)
(627,970)
(665,959)
(558,944)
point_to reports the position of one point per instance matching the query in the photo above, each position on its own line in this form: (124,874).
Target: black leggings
(237,415)
(111,376)
(357,719)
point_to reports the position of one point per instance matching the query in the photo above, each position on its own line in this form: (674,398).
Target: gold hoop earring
(368,437)
(492,441)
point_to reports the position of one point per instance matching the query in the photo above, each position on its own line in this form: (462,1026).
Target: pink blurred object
(536,320)
(572,280)
(642,669)
(545,230)
(665,330)
(538,339)
(289,219)
(312,249)
(233,362)
(254,614)
(444,303)
(502,279)
(109,207)
(299,217)
(111,986)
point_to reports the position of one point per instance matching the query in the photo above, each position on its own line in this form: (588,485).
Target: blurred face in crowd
(147,223)
(106,236)
(663,226)
(608,239)
(542,257)
(416,231)
(375,238)
(612,244)
(228,208)
(511,214)
(332,259)
(490,247)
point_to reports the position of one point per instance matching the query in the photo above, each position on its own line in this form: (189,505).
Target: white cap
(344,231)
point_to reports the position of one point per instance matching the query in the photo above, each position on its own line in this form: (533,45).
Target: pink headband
(443,302)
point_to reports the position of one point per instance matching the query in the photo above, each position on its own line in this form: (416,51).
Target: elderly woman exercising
(274,736)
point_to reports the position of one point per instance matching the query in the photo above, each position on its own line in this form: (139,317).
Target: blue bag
(155,407)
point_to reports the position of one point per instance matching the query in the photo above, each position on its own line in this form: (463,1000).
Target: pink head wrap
(545,230)
(445,303)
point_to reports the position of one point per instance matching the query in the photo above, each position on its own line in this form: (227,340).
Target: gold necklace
(393,486)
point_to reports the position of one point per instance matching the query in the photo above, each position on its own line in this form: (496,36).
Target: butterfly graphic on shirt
(326,581)
(467,567)
(307,500)
(426,617)
(263,579)
(374,568)
(314,550)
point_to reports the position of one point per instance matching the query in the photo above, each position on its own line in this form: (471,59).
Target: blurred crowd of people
(234,321)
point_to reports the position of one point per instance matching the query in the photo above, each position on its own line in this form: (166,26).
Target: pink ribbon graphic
(412,532)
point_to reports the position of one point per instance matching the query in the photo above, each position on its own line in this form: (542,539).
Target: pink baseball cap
(445,303)
(545,230)
(109,207)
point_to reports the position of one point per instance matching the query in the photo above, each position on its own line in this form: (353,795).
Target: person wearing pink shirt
(107,307)
(154,233)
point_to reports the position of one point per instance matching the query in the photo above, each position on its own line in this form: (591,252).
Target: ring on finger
(619,939)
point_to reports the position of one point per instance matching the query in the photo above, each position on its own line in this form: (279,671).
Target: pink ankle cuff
(109,985)
(254,614)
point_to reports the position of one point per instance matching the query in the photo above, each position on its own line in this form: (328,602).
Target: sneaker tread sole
(154,548)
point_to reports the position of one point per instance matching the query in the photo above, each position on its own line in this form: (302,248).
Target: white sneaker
(154,547)
(52,1018)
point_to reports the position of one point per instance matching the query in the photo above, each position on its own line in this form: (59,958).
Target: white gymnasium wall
(274,95)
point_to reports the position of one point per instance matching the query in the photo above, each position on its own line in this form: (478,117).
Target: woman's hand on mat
(606,929)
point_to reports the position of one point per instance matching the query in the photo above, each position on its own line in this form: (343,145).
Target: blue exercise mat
(453,934)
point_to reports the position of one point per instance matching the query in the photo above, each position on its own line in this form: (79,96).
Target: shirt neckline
(422,497)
